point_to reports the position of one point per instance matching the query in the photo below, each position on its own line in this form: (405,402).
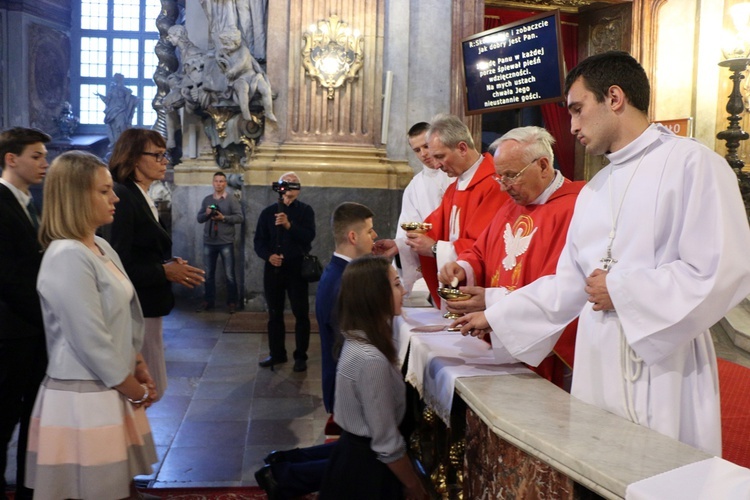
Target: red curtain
(555,115)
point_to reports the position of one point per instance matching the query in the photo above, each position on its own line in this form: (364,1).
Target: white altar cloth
(711,479)
(438,358)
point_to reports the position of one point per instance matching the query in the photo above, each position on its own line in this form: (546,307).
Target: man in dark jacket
(283,236)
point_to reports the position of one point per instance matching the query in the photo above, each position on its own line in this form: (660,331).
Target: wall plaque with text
(514,65)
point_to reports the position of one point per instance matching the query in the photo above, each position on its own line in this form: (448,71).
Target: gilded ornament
(333,53)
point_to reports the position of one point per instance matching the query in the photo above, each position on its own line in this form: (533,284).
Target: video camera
(284,186)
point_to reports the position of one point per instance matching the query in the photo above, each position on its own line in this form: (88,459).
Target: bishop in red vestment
(524,240)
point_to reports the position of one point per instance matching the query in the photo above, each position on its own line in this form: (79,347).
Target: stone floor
(222,413)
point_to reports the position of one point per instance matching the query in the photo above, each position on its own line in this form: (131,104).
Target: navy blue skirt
(355,472)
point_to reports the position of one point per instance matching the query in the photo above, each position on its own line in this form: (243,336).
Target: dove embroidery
(515,245)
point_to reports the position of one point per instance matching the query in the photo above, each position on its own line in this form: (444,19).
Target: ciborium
(416,227)
(450,293)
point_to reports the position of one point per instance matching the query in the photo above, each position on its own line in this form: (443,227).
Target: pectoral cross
(608,261)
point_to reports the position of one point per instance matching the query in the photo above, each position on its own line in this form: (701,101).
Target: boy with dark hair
(23,354)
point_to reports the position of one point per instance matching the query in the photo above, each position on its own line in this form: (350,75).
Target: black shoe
(264,477)
(270,361)
(300,365)
(275,457)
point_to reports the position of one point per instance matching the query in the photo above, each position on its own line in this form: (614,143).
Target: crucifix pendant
(608,261)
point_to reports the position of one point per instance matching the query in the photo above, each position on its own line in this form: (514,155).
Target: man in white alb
(421,197)
(653,258)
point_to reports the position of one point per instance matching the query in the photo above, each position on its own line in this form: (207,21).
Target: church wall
(35,69)
(686,76)
(674,83)
(420,61)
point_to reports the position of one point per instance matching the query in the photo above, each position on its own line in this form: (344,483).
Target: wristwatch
(434,249)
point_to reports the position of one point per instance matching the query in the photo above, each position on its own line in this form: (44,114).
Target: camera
(214,210)
(284,186)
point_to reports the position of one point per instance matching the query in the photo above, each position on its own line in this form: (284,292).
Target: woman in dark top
(144,245)
(370,460)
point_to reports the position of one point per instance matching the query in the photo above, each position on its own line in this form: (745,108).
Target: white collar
(23,198)
(464,179)
(430,172)
(556,183)
(342,256)
(637,146)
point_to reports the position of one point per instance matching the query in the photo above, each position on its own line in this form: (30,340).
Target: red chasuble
(521,244)
(462,216)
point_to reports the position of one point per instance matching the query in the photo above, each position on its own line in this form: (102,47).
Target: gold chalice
(450,293)
(417,227)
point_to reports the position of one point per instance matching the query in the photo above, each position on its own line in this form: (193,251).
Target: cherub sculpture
(244,74)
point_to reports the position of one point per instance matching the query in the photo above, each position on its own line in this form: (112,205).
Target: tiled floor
(222,413)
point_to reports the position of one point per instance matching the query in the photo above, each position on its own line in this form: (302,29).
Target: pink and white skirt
(86,441)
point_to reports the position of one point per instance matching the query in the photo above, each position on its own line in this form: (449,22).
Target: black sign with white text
(515,65)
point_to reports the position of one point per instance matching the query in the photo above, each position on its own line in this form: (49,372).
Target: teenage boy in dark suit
(23,353)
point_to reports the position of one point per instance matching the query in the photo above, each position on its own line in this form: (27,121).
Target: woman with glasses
(370,461)
(145,247)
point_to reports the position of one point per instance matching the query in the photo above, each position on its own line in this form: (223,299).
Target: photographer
(219,213)
(284,234)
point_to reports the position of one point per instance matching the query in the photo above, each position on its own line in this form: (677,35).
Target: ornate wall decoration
(49,56)
(332,53)
(606,35)
(353,116)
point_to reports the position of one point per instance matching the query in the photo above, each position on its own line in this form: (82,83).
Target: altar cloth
(436,361)
(710,479)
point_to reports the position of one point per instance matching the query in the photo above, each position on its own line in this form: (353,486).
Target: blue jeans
(210,255)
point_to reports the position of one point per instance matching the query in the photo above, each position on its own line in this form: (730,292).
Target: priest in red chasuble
(524,239)
(468,205)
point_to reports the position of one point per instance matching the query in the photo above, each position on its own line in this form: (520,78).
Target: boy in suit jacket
(23,353)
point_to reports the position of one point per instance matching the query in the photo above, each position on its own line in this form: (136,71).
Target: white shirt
(150,201)
(370,397)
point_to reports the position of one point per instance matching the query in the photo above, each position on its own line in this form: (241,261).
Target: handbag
(312,269)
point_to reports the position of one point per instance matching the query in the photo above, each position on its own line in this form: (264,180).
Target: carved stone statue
(66,121)
(225,85)
(249,16)
(119,108)
(177,36)
(244,73)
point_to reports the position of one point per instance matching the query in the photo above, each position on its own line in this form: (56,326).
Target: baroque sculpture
(119,108)
(225,86)
(66,121)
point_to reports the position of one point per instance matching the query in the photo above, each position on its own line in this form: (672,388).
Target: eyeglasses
(509,180)
(157,156)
